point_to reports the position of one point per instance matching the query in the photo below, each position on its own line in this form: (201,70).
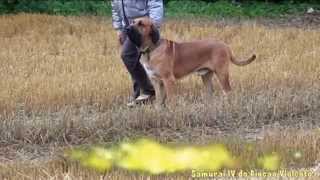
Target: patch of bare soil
(93,126)
(306,20)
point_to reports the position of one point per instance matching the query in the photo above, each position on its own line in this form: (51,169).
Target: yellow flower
(97,158)
(152,157)
(270,162)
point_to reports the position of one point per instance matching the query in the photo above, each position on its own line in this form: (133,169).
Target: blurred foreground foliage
(149,156)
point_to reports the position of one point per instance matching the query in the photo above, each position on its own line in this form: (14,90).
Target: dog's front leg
(169,86)
(160,92)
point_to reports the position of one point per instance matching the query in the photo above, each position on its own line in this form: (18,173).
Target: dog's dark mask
(134,36)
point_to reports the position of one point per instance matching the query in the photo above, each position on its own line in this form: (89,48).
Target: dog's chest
(145,61)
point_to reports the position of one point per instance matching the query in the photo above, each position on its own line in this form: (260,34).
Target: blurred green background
(174,8)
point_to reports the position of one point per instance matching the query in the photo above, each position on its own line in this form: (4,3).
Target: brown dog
(165,60)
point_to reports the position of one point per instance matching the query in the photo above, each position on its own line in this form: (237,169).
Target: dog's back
(197,55)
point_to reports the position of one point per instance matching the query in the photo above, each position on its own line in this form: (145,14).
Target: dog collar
(146,53)
(146,50)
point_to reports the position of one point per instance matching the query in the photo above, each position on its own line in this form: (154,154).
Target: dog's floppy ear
(154,34)
(134,36)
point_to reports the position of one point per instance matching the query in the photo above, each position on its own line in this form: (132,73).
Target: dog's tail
(243,63)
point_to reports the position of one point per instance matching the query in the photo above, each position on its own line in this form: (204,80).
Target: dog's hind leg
(207,81)
(223,78)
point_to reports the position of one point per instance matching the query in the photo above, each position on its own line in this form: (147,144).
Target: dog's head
(142,32)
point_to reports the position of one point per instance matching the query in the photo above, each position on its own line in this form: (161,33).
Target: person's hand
(121,37)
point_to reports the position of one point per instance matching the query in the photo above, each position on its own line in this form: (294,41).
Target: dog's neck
(148,49)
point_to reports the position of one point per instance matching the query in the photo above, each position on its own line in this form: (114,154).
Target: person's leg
(136,89)
(130,56)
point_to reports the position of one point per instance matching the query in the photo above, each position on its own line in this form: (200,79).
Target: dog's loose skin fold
(166,61)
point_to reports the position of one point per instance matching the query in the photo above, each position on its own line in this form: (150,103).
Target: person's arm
(116,16)
(156,11)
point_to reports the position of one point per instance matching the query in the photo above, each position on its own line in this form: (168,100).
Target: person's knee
(130,58)
(125,55)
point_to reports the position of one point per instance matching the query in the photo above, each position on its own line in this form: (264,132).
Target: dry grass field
(63,84)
